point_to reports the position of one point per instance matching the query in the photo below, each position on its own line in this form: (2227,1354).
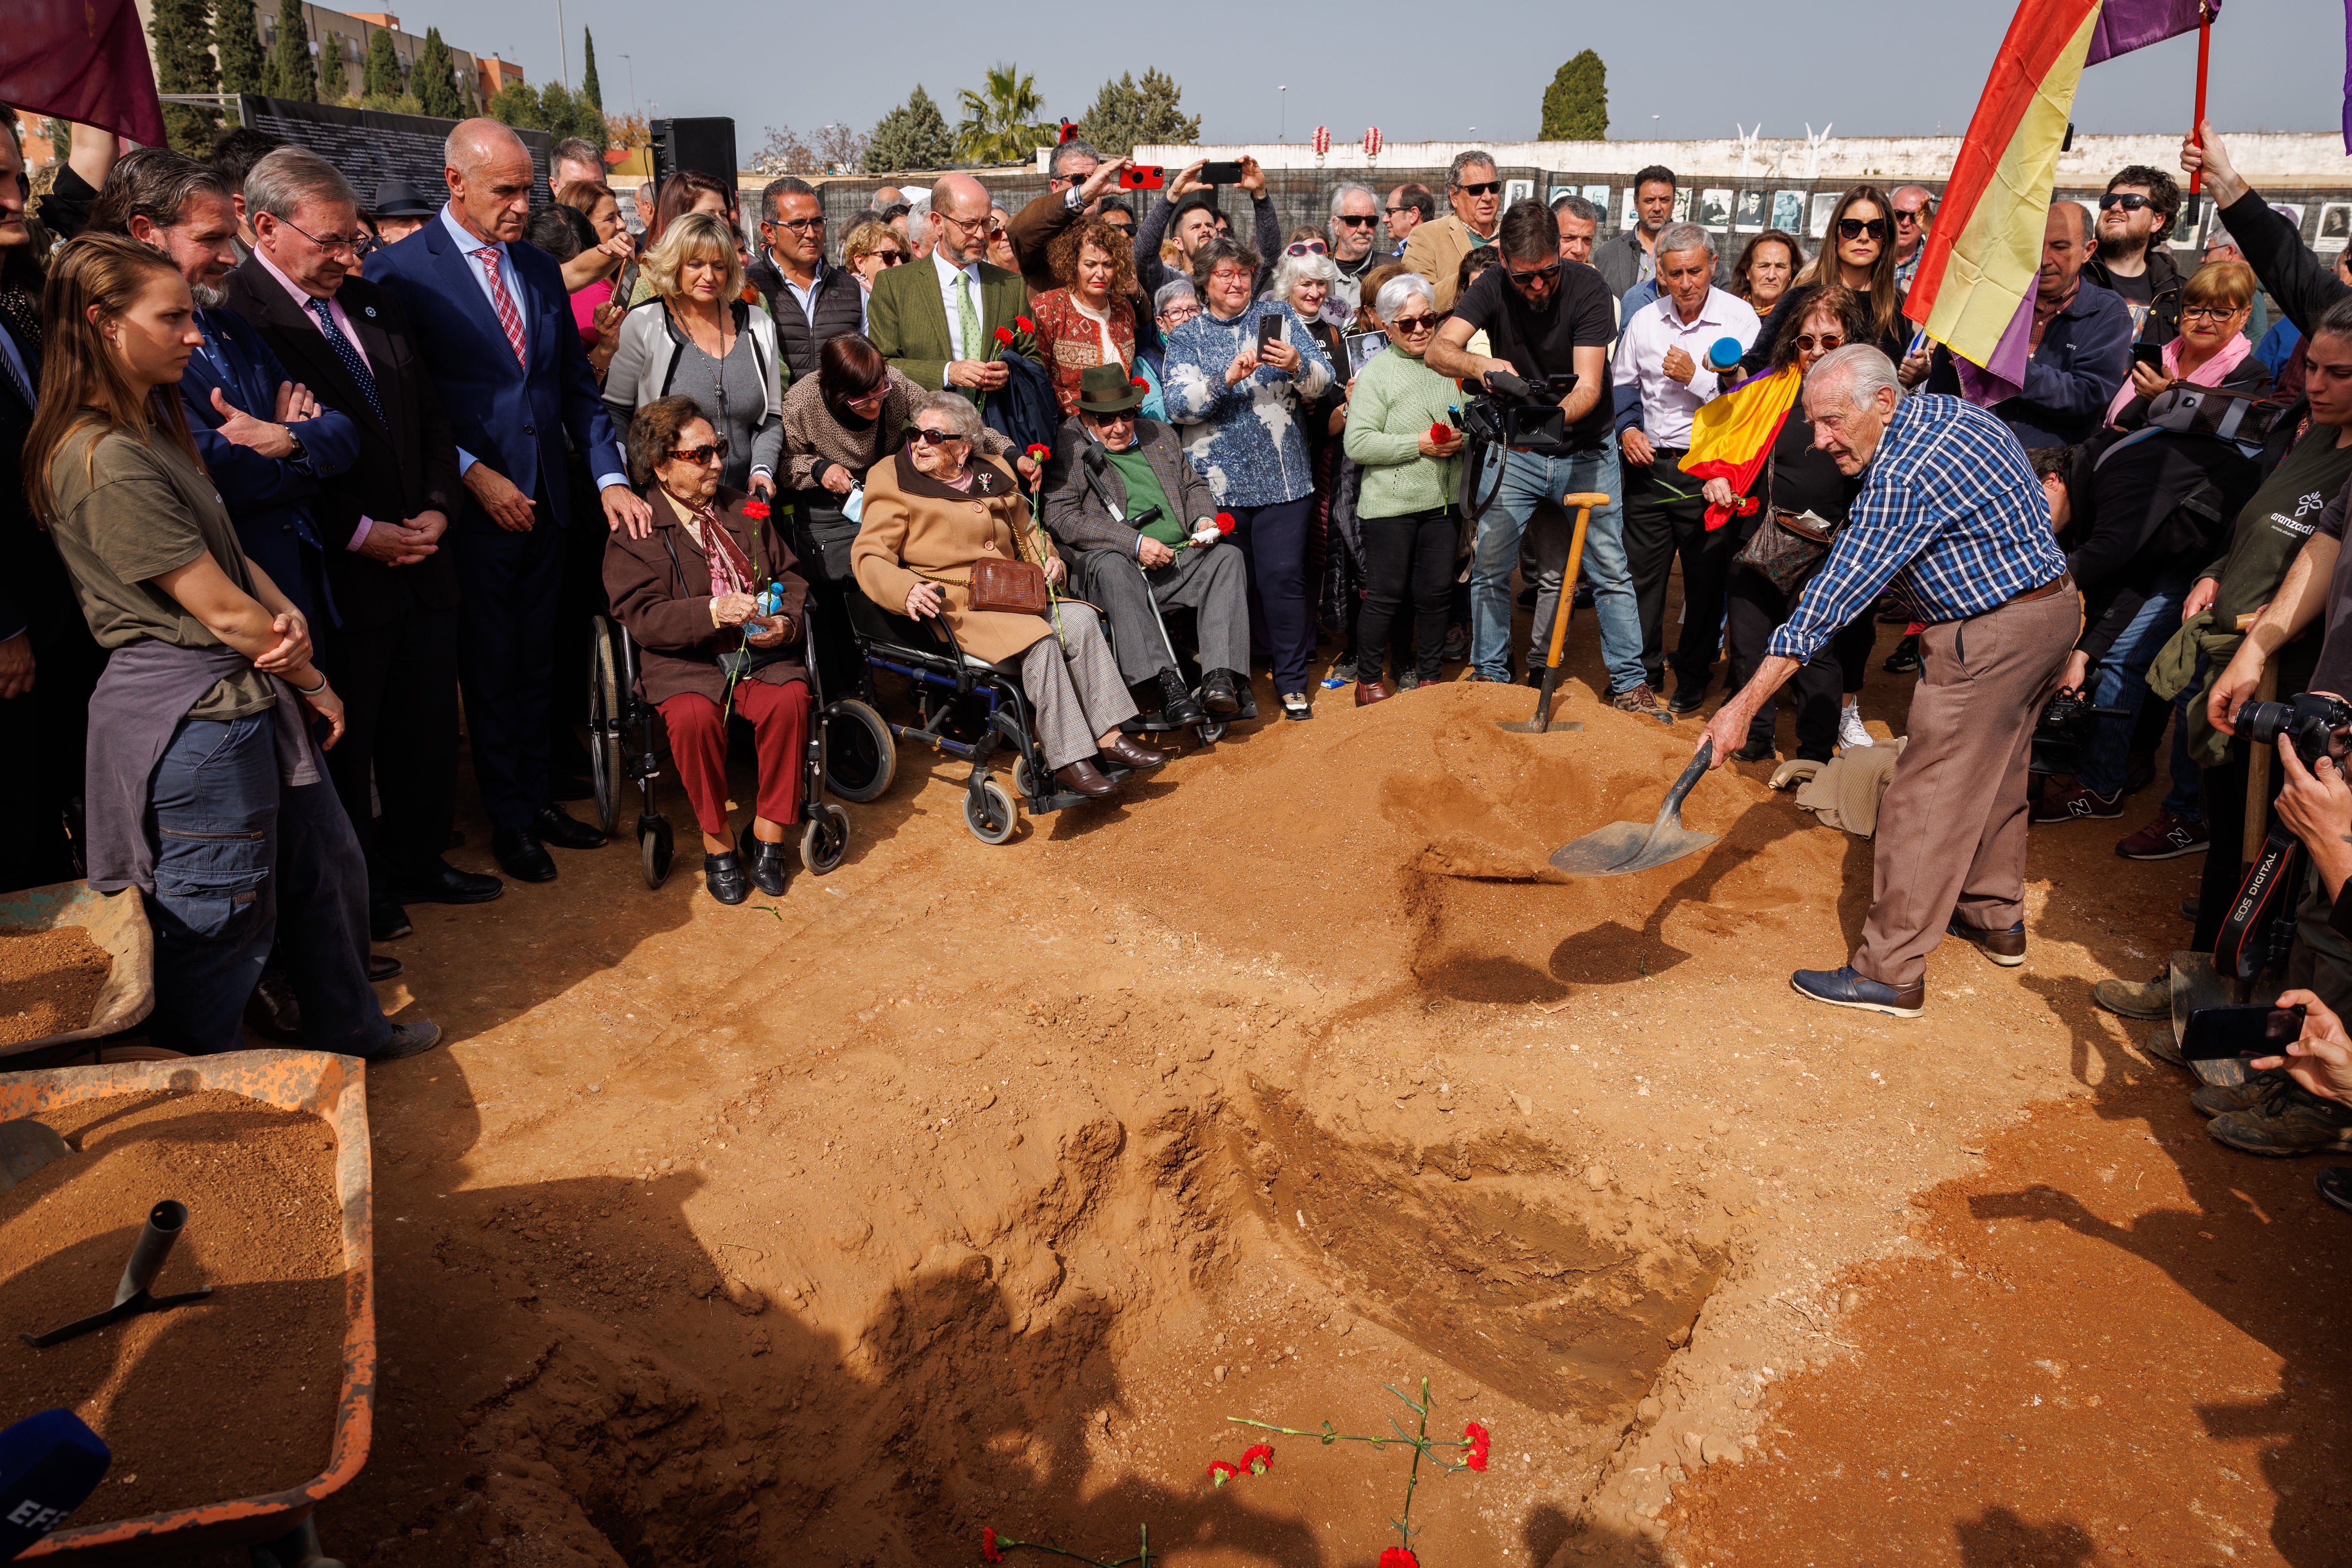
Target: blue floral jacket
(1247,439)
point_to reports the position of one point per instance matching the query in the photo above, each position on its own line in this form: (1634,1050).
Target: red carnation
(1220,1472)
(1479,1442)
(1440,433)
(1139,381)
(755,510)
(1225,522)
(1025,324)
(1259,1459)
(1004,336)
(1040,452)
(988,1552)
(1399,1557)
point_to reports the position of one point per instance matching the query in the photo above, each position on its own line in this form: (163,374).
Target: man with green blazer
(935,320)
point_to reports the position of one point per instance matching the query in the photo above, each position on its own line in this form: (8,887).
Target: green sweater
(1396,399)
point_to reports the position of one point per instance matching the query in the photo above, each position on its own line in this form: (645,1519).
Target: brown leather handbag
(1007,587)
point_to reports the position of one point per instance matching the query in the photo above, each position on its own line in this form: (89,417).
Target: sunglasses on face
(1534,274)
(1484,188)
(1307,247)
(1399,212)
(2130,202)
(1855,228)
(1415,326)
(931,437)
(888,257)
(1907,215)
(1355,221)
(1807,342)
(700,457)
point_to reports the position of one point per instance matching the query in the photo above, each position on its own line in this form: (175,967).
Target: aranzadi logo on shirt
(2307,509)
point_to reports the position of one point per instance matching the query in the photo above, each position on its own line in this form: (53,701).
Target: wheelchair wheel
(860,756)
(605,700)
(656,850)
(1022,784)
(825,840)
(990,814)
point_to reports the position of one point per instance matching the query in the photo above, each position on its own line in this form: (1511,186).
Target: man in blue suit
(493,325)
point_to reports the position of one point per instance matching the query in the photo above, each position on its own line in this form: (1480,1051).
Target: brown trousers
(1951,829)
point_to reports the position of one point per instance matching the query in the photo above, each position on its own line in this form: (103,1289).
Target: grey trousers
(1076,690)
(1213,583)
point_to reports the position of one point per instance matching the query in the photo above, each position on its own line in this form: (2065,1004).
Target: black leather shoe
(553,826)
(272,1012)
(1176,704)
(723,875)
(1689,696)
(438,882)
(1081,778)
(767,865)
(413,1037)
(1220,691)
(382,967)
(1754,751)
(521,856)
(387,923)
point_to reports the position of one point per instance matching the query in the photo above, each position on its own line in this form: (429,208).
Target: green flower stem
(1142,1559)
(1422,1444)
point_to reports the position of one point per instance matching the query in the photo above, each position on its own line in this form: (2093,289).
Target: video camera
(1516,411)
(2064,729)
(2317,723)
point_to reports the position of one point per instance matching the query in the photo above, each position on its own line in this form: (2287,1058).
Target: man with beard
(1355,220)
(2136,219)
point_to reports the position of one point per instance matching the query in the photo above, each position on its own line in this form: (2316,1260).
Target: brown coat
(660,589)
(916,529)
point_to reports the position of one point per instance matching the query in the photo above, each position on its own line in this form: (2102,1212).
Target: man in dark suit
(494,326)
(394,651)
(910,319)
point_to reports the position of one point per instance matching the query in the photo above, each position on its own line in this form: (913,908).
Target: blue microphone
(1723,357)
(49,1464)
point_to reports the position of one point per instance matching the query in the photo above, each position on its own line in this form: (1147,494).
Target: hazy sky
(1421,72)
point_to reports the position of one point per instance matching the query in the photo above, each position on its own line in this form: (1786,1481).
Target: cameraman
(1544,317)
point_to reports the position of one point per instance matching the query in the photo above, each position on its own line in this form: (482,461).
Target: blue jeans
(213,810)
(2121,682)
(1527,480)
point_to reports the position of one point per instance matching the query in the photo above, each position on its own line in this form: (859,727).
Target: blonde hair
(693,237)
(868,239)
(2230,283)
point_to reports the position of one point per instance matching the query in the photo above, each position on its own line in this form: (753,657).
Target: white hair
(1398,291)
(1293,270)
(282,182)
(1346,188)
(1860,368)
(1685,237)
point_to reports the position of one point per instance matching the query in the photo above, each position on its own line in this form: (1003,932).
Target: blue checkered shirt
(1949,513)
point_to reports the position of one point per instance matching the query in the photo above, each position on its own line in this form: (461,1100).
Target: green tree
(1003,124)
(333,82)
(1576,105)
(182,34)
(518,104)
(380,74)
(592,92)
(435,79)
(1127,114)
(236,36)
(914,135)
(297,78)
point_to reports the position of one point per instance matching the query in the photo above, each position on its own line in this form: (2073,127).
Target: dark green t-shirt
(1144,490)
(2275,523)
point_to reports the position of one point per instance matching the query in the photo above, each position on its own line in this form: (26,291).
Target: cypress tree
(298,77)
(915,135)
(590,91)
(435,80)
(236,36)
(333,82)
(1576,105)
(181,36)
(380,76)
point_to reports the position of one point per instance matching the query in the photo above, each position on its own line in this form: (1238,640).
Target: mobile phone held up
(2234,1033)
(1142,177)
(1269,331)
(2148,354)
(1220,173)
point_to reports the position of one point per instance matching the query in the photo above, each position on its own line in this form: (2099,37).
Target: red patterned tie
(509,316)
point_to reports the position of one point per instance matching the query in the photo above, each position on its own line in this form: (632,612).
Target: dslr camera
(2319,725)
(1516,411)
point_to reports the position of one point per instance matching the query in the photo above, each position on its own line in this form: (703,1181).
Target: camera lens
(2263,723)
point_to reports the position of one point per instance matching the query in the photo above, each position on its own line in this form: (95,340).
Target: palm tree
(1003,126)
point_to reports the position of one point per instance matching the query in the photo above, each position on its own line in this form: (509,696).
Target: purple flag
(2127,24)
(83,60)
(2347,76)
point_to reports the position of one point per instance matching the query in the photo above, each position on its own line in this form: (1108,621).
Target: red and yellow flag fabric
(1732,435)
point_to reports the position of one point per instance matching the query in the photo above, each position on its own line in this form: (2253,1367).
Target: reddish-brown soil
(223,1398)
(49,981)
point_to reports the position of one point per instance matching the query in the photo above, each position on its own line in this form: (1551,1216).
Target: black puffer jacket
(839,304)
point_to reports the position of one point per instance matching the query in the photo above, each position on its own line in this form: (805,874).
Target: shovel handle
(1672,809)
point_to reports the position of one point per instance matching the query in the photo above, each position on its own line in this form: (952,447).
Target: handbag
(1007,588)
(1786,547)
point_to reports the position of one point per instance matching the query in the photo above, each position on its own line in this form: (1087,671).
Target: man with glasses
(1662,379)
(1914,206)
(1435,250)
(1410,205)
(1355,220)
(936,324)
(393,651)
(2136,220)
(811,303)
(2082,340)
(1544,317)
(1162,543)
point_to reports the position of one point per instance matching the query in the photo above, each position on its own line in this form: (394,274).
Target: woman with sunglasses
(689,593)
(1412,532)
(868,250)
(1800,482)
(1857,253)
(1087,320)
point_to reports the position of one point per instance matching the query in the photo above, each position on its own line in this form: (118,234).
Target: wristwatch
(300,458)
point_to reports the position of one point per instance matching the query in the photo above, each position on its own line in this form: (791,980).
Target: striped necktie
(509,316)
(348,356)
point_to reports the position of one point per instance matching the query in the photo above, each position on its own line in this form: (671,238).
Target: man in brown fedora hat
(1137,522)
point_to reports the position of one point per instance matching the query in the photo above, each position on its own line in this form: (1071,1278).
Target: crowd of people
(387,455)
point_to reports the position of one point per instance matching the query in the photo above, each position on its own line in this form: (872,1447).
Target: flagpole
(2197,128)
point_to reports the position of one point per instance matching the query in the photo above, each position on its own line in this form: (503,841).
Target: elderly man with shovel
(1950,514)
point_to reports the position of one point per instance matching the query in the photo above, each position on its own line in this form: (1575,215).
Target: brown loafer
(1368,693)
(1080,778)
(1124,750)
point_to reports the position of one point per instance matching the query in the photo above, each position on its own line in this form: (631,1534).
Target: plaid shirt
(1949,512)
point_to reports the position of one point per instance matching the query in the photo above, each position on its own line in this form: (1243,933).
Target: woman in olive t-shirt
(186,724)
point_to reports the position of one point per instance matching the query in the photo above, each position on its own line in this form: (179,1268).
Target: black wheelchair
(626,743)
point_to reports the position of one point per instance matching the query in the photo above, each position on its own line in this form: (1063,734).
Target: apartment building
(481,74)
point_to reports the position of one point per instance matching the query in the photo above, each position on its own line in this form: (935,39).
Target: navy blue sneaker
(1844,987)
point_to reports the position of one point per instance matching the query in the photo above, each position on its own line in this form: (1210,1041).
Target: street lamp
(1282,125)
(633,83)
(562,45)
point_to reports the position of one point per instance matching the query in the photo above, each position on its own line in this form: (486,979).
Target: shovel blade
(1668,844)
(26,1147)
(1538,726)
(1604,852)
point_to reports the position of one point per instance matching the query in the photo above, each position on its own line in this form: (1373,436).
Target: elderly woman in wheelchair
(934,514)
(710,597)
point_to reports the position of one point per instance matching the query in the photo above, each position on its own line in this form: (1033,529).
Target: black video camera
(2317,723)
(1517,412)
(2064,729)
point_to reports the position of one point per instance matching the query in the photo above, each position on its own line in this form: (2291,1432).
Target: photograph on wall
(1748,216)
(1682,205)
(1714,209)
(1625,218)
(2291,211)
(1598,195)
(1789,211)
(1518,190)
(1557,192)
(2334,226)
(1824,204)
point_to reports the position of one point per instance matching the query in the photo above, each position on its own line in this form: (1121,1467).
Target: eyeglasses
(1177,315)
(876,394)
(330,243)
(700,457)
(798,225)
(1229,275)
(1807,342)
(1399,212)
(1357,220)
(1855,228)
(2129,201)
(1485,188)
(931,437)
(2210,312)
(1307,247)
(972,227)
(1533,275)
(1414,326)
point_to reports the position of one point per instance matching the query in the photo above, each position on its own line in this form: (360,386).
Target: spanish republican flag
(1974,288)
(1732,435)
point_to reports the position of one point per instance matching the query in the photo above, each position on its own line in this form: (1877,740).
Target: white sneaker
(1851,733)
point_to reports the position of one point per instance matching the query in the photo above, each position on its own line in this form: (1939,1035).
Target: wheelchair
(625,745)
(965,707)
